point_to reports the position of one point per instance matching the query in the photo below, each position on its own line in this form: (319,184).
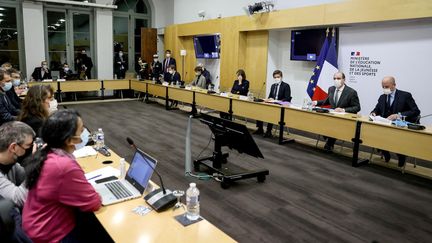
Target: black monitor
(231,134)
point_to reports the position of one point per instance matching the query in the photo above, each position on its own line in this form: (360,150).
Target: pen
(91,178)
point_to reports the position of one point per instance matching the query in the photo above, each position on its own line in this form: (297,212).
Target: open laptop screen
(140,171)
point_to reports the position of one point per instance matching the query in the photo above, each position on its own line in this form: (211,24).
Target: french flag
(327,69)
(317,70)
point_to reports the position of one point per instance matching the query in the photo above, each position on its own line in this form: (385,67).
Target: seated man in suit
(205,73)
(42,72)
(174,77)
(278,91)
(66,73)
(7,111)
(393,104)
(341,98)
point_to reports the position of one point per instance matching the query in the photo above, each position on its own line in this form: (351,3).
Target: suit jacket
(242,89)
(284,92)
(14,99)
(37,74)
(7,111)
(403,102)
(171,61)
(173,78)
(348,100)
(66,75)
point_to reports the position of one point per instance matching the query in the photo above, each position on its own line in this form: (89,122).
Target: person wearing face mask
(59,192)
(341,98)
(168,61)
(278,91)
(120,65)
(66,73)
(392,102)
(42,72)
(12,93)
(241,85)
(206,74)
(199,79)
(143,69)
(156,68)
(83,64)
(174,76)
(7,111)
(36,107)
(16,142)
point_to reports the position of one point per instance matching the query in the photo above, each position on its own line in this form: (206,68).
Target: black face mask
(27,153)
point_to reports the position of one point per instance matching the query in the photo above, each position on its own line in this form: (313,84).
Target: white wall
(295,73)
(104,43)
(187,10)
(33,36)
(162,12)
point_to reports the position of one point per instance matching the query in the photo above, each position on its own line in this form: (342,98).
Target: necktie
(388,102)
(276,91)
(336,97)
(166,65)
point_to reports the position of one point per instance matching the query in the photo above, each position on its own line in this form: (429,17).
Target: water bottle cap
(100,129)
(192,185)
(122,160)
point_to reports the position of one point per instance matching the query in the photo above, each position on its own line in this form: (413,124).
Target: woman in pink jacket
(58,189)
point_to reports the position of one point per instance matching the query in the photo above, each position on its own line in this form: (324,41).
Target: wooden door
(148,44)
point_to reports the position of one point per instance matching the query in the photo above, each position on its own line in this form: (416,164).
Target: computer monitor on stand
(234,136)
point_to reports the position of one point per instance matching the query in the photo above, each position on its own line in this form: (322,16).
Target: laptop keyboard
(118,189)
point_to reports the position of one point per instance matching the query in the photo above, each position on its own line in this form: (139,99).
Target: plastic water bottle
(100,139)
(122,168)
(192,202)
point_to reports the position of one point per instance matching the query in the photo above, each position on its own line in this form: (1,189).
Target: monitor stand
(229,173)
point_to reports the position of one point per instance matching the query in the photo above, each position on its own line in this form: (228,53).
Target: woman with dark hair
(35,107)
(241,85)
(58,189)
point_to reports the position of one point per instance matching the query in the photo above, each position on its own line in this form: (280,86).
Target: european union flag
(317,70)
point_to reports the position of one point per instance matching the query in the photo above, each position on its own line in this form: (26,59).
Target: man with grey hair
(16,142)
(205,73)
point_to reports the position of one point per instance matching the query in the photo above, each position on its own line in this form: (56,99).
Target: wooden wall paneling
(256,59)
(148,44)
(186,43)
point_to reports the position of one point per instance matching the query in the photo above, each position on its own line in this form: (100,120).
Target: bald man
(392,102)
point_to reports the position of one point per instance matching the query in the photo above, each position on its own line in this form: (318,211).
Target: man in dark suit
(174,76)
(42,72)
(83,64)
(120,65)
(341,98)
(66,73)
(393,104)
(7,111)
(278,91)
(168,61)
(205,73)
(12,93)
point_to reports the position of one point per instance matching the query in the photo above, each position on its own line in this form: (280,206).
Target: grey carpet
(309,196)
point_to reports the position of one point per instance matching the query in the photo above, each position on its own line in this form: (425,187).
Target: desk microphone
(159,199)
(257,99)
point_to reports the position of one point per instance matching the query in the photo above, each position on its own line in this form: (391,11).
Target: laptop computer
(133,186)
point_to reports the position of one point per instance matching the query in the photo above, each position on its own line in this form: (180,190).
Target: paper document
(337,112)
(102,173)
(84,152)
(380,119)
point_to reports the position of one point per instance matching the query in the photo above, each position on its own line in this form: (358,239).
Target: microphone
(159,199)
(257,99)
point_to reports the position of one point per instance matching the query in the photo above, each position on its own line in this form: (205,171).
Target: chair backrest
(7,222)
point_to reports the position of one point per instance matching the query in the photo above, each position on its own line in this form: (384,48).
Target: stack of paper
(84,152)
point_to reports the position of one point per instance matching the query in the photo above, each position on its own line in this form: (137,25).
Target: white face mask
(16,82)
(168,55)
(387,91)
(171,71)
(53,106)
(155,60)
(337,83)
(66,69)
(121,54)
(277,80)
(45,66)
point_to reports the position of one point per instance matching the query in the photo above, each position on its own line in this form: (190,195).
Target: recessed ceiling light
(62,20)
(57,24)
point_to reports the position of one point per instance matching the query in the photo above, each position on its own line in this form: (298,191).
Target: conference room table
(123,225)
(348,127)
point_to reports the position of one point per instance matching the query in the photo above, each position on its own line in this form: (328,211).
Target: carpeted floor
(309,196)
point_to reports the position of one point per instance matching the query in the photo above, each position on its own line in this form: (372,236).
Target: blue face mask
(84,139)
(7,86)
(16,82)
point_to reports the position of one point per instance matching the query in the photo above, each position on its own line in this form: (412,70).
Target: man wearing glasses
(16,143)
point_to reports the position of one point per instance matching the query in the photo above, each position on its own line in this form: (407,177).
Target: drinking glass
(178,194)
